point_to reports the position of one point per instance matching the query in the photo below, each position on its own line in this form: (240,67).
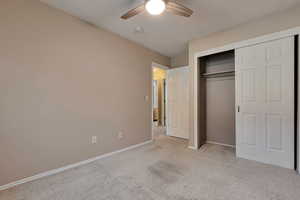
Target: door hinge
(238,109)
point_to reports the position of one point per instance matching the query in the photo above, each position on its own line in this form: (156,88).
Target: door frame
(297,142)
(195,75)
(164,67)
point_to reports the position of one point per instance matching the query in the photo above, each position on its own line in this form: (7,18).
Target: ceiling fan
(156,7)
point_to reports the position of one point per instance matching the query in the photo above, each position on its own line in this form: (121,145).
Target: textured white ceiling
(169,34)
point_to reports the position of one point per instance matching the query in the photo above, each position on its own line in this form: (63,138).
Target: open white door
(178,102)
(265,102)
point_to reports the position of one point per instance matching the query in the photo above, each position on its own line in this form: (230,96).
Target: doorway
(217,97)
(159,76)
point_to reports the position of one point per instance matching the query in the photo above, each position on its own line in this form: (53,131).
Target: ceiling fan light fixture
(155,7)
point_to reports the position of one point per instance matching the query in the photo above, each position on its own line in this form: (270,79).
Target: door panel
(265,96)
(274,83)
(177,102)
(248,85)
(249,129)
(274,132)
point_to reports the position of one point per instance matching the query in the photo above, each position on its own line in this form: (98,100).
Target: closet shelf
(217,73)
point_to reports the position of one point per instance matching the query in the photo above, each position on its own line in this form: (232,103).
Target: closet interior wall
(217,99)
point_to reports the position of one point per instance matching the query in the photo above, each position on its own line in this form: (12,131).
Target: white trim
(151,99)
(154,64)
(192,147)
(232,46)
(58,170)
(221,144)
(196,138)
(166,105)
(249,42)
(179,68)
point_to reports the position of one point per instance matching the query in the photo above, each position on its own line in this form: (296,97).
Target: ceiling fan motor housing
(156,7)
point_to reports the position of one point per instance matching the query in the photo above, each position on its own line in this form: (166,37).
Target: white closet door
(265,101)
(177,102)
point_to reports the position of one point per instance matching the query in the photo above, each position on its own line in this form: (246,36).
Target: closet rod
(217,73)
(218,76)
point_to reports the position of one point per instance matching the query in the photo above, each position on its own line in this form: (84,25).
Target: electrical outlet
(94,139)
(120,135)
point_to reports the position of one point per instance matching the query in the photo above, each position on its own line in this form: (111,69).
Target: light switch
(94,139)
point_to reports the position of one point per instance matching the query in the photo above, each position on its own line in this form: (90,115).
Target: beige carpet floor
(159,131)
(165,170)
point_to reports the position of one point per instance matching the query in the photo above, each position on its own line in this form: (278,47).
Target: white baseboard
(217,143)
(58,170)
(192,147)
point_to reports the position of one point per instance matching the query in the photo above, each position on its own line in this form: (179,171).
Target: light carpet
(165,170)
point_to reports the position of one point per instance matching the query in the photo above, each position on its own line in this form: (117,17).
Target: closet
(246,98)
(217,77)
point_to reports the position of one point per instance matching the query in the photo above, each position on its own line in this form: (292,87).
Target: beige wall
(266,25)
(180,60)
(63,81)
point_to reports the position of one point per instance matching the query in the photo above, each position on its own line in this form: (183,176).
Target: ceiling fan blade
(179,9)
(134,12)
(176,12)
